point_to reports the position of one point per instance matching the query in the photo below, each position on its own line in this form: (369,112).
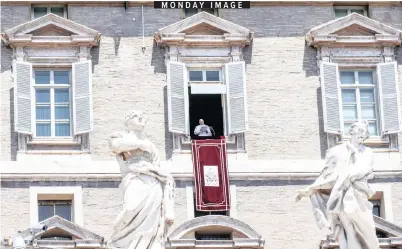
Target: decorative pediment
(204,29)
(242,235)
(51,29)
(394,232)
(58,227)
(353,29)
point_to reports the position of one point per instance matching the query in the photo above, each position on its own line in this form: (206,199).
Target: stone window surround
(190,196)
(56,51)
(57,192)
(374,56)
(182,143)
(384,195)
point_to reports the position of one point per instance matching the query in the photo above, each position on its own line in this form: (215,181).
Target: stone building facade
(301,68)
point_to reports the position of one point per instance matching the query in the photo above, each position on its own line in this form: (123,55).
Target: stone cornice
(20,36)
(325,34)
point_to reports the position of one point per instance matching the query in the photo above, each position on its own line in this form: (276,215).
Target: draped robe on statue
(340,197)
(148,202)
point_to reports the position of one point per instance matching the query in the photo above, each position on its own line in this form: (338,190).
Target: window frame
(217,12)
(357,87)
(350,8)
(221,81)
(62,193)
(56,202)
(52,86)
(65,15)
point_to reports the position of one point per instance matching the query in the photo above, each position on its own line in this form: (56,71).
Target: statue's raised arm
(340,193)
(148,191)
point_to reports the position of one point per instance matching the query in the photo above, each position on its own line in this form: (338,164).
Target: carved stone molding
(204,29)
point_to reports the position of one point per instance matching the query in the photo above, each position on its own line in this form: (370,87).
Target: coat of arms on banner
(211,176)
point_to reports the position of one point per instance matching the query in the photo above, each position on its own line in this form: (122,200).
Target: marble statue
(147,190)
(340,194)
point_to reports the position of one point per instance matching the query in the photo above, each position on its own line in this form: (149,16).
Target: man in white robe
(202,130)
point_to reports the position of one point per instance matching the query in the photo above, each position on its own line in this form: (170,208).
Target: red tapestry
(211,175)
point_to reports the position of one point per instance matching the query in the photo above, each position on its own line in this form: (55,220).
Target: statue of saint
(147,190)
(340,194)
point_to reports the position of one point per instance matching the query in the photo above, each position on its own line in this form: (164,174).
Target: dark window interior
(199,236)
(209,108)
(377,212)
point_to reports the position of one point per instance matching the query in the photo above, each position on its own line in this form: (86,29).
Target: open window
(216,95)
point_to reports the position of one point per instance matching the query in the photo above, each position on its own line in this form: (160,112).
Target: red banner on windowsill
(210,175)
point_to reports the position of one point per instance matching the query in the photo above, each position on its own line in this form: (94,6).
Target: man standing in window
(202,130)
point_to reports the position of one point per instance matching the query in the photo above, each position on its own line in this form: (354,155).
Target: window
(190,12)
(212,75)
(47,209)
(212,236)
(359,99)
(341,11)
(377,212)
(52,103)
(39,11)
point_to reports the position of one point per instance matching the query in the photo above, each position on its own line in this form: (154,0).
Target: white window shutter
(82,97)
(236,98)
(389,97)
(331,98)
(23,97)
(177,91)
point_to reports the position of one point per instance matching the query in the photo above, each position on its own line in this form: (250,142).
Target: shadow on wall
(95,56)
(6,58)
(248,52)
(116,41)
(322,134)
(310,61)
(168,135)
(13,134)
(158,59)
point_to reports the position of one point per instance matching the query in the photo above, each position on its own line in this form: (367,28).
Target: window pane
(64,211)
(61,95)
(42,96)
(368,112)
(349,113)
(57,11)
(367,95)
(196,76)
(62,112)
(210,11)
(62,130)
(190,12)
(361,12)
(346,127)
(61,77)
(45,212)
(42,77)
(366,78)
(348,96)
(347,78)
(40,11)
(43,129)
(43,113)
(340,13)
(373,129)
(212,75)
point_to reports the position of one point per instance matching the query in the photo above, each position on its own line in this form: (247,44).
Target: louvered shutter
(331,98)
(23,92)
(389,97)
(177,90)
(82,97)
(235,76)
